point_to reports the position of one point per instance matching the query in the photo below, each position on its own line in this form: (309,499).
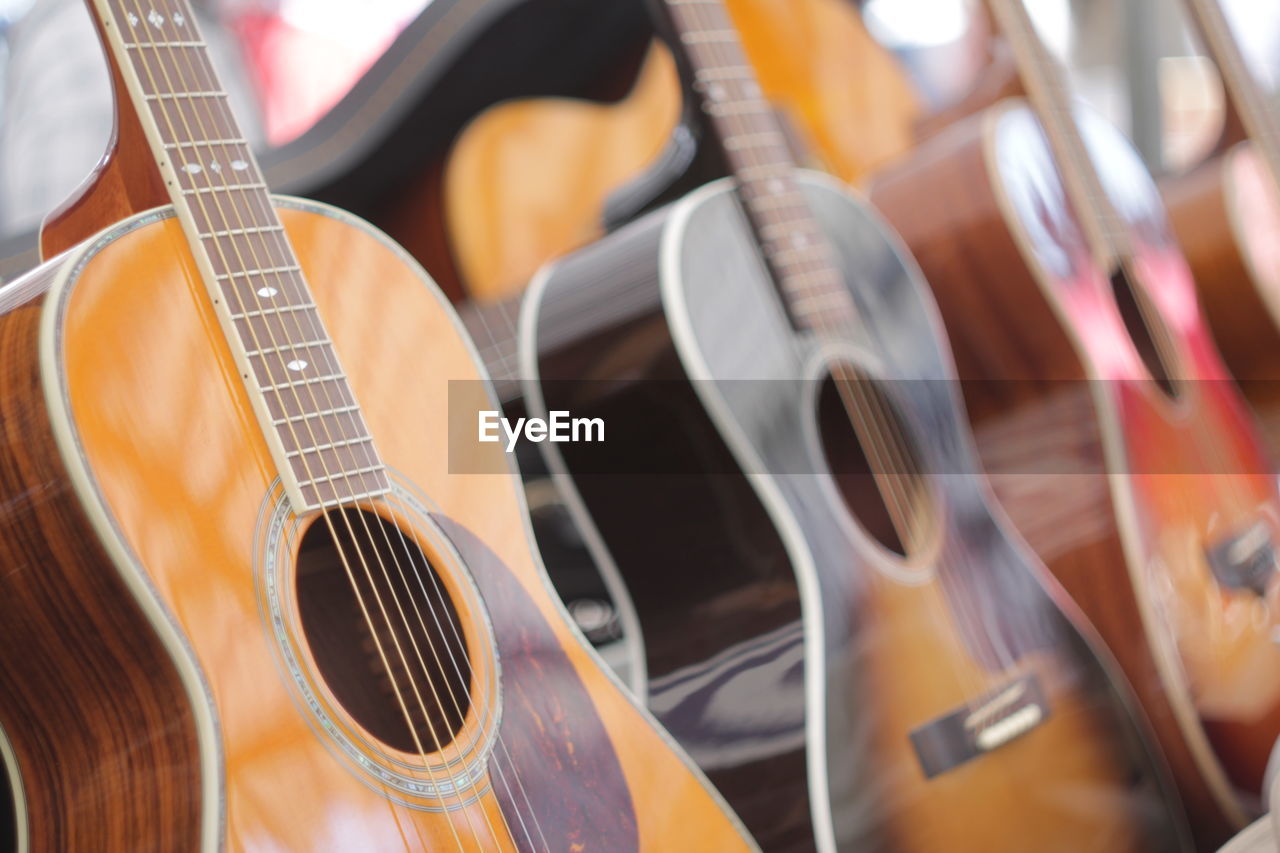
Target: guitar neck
(286,361)
(1257,115)
(756,149)
(1045,81)
(493,326)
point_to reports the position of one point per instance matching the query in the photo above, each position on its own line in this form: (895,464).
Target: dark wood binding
(99,720)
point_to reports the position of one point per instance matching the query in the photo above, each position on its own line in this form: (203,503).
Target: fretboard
(493,327)
(1046,83)
(1258,116)
(755,147)
(291,372)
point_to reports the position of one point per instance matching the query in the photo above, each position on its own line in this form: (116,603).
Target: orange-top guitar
(1121,447)
(528,181)
(244,604)
(1226,214)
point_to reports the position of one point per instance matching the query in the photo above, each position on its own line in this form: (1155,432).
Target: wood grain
(1225,215)
(92,703)
(1018,349)
(187,453)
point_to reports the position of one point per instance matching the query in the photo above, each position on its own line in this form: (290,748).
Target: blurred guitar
(826,599)
(529,180)
(1226,215)
(1112,430)
(245,604)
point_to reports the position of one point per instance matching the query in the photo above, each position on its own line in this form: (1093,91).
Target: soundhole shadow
(383,630)
(872,458)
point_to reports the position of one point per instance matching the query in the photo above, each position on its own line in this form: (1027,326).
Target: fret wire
(205,143)
(250,203)
(299,383)
(274,349)
(329,478)
(269,270)
(267,312)
(227,188)
(761,160)
(166,96)
(137,45)
(320,413)
(336,445)
(194,110)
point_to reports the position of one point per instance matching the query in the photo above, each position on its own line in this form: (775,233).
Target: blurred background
(288,62)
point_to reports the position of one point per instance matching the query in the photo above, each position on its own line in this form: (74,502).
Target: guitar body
(179,651)
(1122,489)
(1225,215)
(806,653)
(528,180)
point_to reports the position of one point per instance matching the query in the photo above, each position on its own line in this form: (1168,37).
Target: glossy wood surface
(706,383)
(527,181)
(85,698)
(124,182)
(1053,380)
(182,472)
(1226,216)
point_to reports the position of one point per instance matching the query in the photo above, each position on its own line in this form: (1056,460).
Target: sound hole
(1146,339)
(426,672)
(873,460)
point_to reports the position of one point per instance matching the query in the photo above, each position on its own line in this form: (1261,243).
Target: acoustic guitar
(826,598)
(529,180)
(244,603)
(1123,451)
(1226,215)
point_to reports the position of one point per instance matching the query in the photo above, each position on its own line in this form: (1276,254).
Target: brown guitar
(244,604)
(527,181)
(1226,215)
(1116,439)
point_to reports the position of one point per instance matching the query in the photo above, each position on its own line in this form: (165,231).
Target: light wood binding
(166,719)
(527,181)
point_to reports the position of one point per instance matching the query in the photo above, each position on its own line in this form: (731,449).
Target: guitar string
(511,371)
(305,464)
(499,743)
(333,533)
(417,650)
(886,474)
(409,557)
(1104,231)
(895,457)
(1110,240)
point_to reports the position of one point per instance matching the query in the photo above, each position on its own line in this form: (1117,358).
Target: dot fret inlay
(286,360)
